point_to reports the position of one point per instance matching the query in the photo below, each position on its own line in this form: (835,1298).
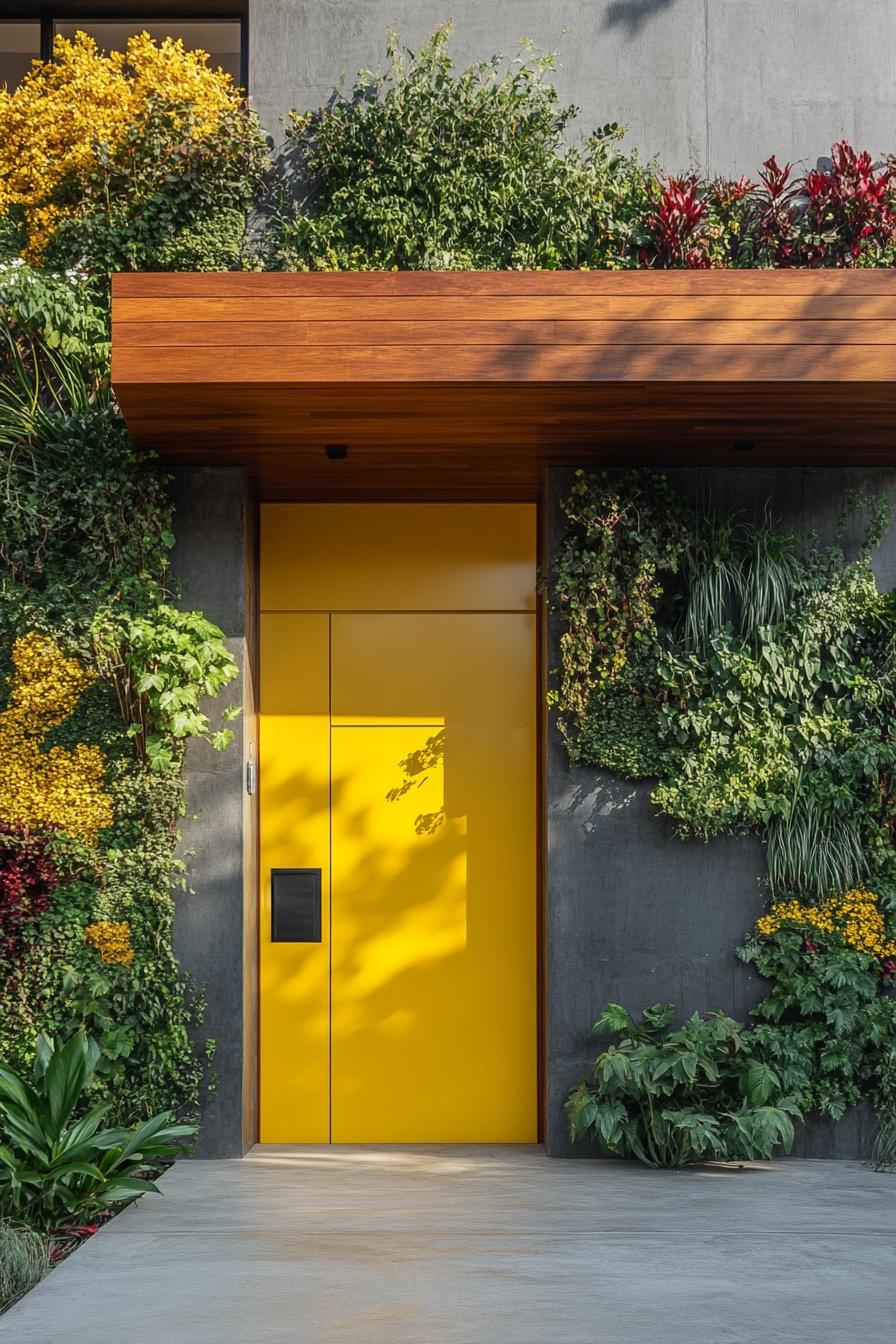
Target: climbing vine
(752,675)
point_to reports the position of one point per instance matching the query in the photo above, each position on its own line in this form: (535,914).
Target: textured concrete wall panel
(716,84)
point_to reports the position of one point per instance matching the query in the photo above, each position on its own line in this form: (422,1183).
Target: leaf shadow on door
(415,770)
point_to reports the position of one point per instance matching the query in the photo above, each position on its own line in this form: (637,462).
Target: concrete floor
(481,1246)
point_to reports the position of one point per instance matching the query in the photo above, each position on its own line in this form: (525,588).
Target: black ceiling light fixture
(336,452)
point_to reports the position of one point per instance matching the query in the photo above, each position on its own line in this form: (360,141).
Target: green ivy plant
(626,535)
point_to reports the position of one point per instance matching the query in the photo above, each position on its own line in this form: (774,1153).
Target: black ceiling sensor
(743,445)
(336,451)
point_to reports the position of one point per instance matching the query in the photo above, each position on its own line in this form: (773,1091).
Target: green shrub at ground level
(670,1098)
(57,1162)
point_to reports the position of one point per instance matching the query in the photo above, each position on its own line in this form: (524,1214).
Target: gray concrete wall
(215,921)
(635,915)
(717,84)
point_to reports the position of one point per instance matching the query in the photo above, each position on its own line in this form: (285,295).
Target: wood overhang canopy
(467,386)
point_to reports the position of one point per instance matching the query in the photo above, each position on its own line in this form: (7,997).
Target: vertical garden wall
(113,678)
(642,909)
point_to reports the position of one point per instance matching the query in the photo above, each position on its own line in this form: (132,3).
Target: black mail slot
(295,905)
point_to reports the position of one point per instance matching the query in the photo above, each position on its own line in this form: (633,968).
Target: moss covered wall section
(635,915)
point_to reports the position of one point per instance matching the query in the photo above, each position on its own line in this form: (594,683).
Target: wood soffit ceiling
(469,385)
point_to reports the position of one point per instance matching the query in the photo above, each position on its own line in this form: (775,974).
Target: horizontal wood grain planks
(469,385)
(646,331)
(255,285)
(472,363)
(520,307)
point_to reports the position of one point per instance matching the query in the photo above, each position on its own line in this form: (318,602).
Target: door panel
(294,797)
(470,668)
(433,944)
(398,557)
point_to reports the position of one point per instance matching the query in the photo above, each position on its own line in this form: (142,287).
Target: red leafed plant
(28,878)
(677,225)
(778,201)
(848,206)
(825,218)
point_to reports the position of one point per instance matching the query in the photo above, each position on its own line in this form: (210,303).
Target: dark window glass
(221,40)
(19,46)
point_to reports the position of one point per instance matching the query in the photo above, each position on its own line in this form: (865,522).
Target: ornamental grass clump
(24,1261)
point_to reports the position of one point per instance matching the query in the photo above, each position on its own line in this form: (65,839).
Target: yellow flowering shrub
(112,940)
(855,915)
(71,112)
(58,787)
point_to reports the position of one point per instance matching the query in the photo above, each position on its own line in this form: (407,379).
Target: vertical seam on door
(330,882)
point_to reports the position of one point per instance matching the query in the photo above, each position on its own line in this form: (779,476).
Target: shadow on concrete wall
(634,14)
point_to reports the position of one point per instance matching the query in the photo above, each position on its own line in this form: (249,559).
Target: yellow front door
(398,810)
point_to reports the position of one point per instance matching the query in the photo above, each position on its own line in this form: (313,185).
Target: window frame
(48,18)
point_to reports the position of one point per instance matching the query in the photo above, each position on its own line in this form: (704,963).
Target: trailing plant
(56,1167)
(626,535)
(673,1097)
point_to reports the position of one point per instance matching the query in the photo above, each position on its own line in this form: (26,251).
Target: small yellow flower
(57,787)
(112,940)
(69,113)
(856,916)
